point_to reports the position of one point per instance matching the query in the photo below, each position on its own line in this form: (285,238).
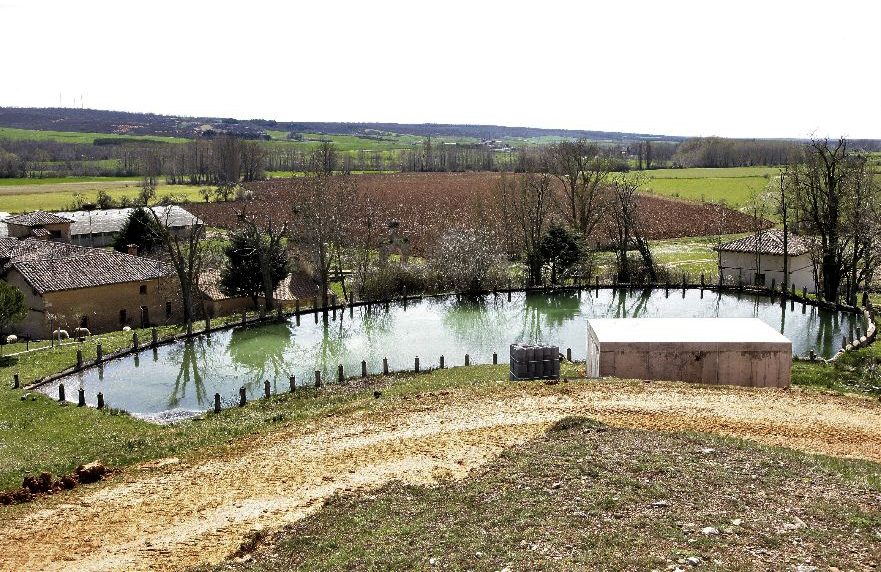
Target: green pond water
(178,379)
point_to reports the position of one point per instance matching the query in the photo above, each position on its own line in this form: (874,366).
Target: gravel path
(173,513)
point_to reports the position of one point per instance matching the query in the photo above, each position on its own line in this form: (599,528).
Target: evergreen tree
(560,248)
(140,228)
(242,273)
(12,305)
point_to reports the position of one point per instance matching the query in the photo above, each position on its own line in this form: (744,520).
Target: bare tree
(528,200)
(835,197)
(627,227)
(184,249)
(584,171)
(323,160)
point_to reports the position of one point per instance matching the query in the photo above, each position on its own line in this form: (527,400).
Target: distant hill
(124,122)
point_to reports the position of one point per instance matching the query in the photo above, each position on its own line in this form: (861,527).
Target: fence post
(81,397)
(242,397)
(317,378)
(569,354)
(100,400)
(495,358)
(216,402)
(135,340)
(804,292)
(15,381)
(278,312)
(155,333)
(467,359)
(363,368)
(442,362)
(416,364)
(702,281)
(244,317)
(207,323)
(340,376)
(293,382)
(99,352)
(79,359)
(266,389)
(385,366)
(297,307)
(844,341)
(61,392)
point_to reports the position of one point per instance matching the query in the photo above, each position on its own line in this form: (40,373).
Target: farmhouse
(89,228)
(71,286)
(758,259)
(295,285)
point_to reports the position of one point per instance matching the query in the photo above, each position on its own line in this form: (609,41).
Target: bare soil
(176,513)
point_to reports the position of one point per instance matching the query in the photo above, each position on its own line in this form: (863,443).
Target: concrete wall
(101,304)
(742,265)
(751,364)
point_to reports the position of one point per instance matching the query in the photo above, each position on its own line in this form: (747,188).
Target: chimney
(133,249)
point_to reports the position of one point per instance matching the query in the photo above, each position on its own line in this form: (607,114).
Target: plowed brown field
(426,203)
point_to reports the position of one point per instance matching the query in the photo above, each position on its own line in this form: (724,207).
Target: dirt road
(172,513)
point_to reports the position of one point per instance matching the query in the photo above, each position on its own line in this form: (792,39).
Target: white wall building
(758,260)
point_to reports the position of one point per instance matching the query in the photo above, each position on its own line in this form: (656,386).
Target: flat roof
(688,330)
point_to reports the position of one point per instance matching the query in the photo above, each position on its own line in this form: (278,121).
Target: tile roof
(36,218)
(768,242)
(53,266)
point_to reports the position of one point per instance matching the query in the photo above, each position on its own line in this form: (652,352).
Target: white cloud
(766,69)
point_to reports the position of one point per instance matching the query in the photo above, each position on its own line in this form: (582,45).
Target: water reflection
(186,375)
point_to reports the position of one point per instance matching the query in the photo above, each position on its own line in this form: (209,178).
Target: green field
(75,137)
(735,186)
(60,196)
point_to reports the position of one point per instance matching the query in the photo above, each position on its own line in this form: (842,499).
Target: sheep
(11,339)
(60,335)
(81,333)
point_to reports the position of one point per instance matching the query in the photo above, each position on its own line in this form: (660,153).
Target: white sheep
(11,339)
(81,332)
(60,335)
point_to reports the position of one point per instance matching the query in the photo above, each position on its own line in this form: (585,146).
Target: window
(123,318)
(143,288)
(168,309)
(760,279)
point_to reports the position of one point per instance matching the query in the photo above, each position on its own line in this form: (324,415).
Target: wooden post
(509,293)
(244,317)
(385,366)
(15,381)
(495,358)
(298,319)
(363,368)
(207,323)
(293,382)
(216,403)
(100,353)
(135,340)
(812,355)
(266,390)
(189,330)
(844,341)
(416,364)
(442,362)
(242,397)
(155,333)
(100,400)
(79,359)
(333,300)
(340,376)
(81,397)
(569,354)
(467,359)
(804,292)
(773,284)
(703,281)
(278,313)
(297,307)
(317,378)
(61,392)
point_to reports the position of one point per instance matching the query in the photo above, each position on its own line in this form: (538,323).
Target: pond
(181,378)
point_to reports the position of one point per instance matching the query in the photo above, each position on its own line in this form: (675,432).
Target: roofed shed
(758,259)
(716,351)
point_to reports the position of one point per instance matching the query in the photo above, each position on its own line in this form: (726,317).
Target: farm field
(735,186)
(76,137)
(60,196)
(428,203)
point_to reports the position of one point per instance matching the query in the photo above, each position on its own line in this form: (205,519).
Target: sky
(772,68)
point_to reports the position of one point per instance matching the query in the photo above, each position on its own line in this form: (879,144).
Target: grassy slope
(60,196)
(590,496)
(76,137)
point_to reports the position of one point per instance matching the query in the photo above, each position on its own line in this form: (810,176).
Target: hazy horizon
(756,70)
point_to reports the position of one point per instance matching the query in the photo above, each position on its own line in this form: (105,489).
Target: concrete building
(757,259)
(90,228)
(71,286)
(717,351)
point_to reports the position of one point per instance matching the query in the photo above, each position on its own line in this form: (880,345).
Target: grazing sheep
(60,335)
(126,329)
(11,339)
(81,333)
